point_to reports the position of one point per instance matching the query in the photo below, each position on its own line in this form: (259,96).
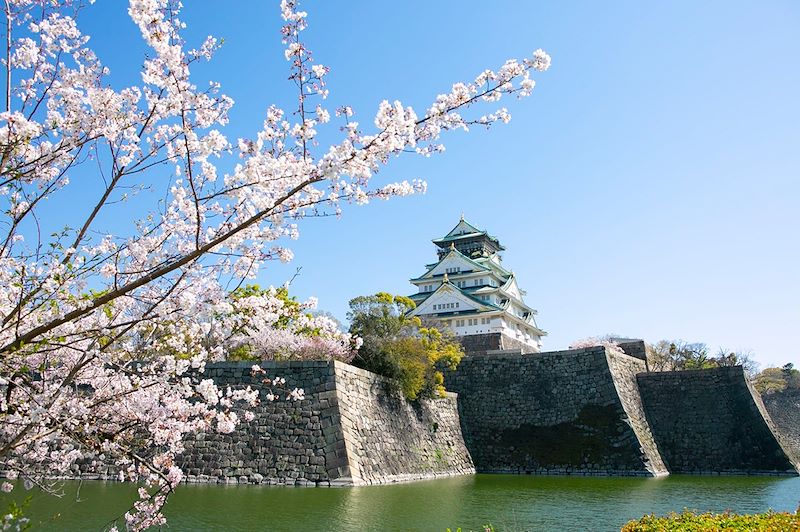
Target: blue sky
(649,187)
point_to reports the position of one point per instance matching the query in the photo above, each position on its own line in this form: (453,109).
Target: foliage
(272,325)
(396,345)
(773,380)
(678,355)
(606,341)
(382,316)
(485,528)
(686,520)
(101,321)
(14,516)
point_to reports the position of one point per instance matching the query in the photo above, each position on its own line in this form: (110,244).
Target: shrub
(396,345)
(687,520)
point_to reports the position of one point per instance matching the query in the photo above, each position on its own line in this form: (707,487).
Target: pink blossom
(120,326)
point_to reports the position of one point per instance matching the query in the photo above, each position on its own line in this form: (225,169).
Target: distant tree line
(678,355)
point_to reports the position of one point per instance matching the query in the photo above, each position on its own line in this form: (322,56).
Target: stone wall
(352,428)
(295,442)
(475,343)
(482,343)
(634,348)
(388,438)
(784,409)
(712,421)
(565,412)
(623,370)
(580,412)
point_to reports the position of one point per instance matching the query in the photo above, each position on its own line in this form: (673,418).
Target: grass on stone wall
(690,521)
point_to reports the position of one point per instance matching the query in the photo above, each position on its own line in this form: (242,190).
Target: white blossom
(121,324)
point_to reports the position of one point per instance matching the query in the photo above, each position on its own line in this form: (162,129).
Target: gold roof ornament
(452,245)
(446,280)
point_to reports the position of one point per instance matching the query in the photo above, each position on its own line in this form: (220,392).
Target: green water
(508,502)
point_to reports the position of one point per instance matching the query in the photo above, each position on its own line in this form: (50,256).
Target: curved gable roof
(453,253)
(449,288)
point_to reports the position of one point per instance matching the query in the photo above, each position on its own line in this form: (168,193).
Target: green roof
(475,232)
(469,296)
(418,296)
(492,265)
(458,237)
(462,220)
(479,265)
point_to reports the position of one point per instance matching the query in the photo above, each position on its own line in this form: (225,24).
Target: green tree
(678,355)
(396,345)
(745,359)
(773,380)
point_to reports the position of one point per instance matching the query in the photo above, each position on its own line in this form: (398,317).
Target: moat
(509,502)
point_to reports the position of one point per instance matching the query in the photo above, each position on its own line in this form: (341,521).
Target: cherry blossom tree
(104,333)
(606,341)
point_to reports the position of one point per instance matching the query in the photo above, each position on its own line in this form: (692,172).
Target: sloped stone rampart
(712,421)
(352,428)
(579,412)
(784,409)
(623,370)
(390,439)
(553,413)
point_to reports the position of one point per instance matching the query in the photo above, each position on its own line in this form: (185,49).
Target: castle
(469,292)
(593,411)
(511,408)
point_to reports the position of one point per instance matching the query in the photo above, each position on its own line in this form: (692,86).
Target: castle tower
(470,292)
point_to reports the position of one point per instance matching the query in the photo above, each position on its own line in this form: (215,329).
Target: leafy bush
(773,380)
(687,520)
(396,345)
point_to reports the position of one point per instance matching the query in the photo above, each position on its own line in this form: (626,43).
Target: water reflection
(399,506)
(508,502)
